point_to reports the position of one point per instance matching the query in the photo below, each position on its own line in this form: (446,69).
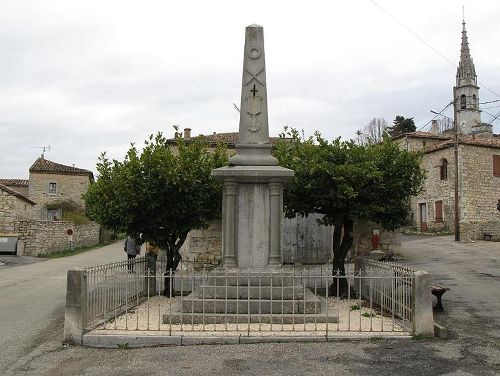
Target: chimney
(434,127)
(187,134)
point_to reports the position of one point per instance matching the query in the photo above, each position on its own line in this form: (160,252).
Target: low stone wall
(26,234)
(475,230)
(41,237)
(51,236)
(204,246)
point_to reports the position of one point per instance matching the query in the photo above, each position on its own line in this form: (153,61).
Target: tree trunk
(173,259)
(342,242)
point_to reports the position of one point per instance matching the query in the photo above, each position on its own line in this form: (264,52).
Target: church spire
(466,72)
(466,92)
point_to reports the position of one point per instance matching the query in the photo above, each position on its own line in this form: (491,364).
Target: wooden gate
(305,241)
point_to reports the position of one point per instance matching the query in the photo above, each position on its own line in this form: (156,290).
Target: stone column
(75,315)
(275,190)
(423,318)
(230,189)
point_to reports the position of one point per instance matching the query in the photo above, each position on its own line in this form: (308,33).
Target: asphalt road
(32,299)
(472,314)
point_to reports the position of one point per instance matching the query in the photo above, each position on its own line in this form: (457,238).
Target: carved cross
(254,90)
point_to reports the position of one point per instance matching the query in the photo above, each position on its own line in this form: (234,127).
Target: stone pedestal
(252,213)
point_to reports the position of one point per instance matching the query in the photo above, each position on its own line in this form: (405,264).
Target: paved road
(472,312)
(472,272)
(32,298)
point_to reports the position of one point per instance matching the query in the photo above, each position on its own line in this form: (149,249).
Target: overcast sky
(92,76)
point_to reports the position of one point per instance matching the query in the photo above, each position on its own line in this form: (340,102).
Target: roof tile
(45,166)
(15,182)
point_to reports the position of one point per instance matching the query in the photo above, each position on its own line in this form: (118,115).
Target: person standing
(132,249)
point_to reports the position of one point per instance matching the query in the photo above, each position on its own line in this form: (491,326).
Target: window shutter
(496,165)
(439,211)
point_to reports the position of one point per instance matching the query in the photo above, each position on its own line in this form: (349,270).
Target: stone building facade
(478,187)
(13,207)
(52,183)
(28,213)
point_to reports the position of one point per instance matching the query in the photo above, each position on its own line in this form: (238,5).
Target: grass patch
(367,314)
(376,338)
(355,307)
(122,346)
(74,251)
(420,337)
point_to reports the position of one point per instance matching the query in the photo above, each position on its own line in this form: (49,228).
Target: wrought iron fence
(129,296)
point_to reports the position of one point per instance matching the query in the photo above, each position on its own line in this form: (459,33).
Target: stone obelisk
(252,207)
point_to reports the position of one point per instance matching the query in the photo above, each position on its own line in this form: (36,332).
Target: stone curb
(134,341)
(440,331)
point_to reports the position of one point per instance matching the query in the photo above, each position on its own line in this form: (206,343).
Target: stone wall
(12,208)
(416,143)
(480,192)
(435,189)
(26,235)
(51,236)
(204,246)
(40,237)
(69,187)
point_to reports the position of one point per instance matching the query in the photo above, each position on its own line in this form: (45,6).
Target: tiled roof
(15,182)
(422,135)
(17,194)
(493,142)
(230,138)
(45,166)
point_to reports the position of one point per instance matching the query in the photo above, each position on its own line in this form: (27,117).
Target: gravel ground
(147,318)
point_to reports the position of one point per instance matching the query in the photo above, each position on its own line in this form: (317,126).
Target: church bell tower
(466,93)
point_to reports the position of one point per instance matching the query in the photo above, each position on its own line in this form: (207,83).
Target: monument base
(237,297)
(252,210)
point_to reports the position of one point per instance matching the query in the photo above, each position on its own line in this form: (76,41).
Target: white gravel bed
(146,319)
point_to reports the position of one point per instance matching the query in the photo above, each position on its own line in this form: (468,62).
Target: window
(52,214)
(474,104)
(438,216)
(443,170)
(52,188)
(496,165)
(463,102)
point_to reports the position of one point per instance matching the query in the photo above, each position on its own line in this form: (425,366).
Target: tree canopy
(401,125)
(343,181)
(161,192)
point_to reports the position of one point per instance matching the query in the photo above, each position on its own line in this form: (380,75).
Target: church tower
(466,93)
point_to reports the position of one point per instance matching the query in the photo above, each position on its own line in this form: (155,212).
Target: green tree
(401,125)
(345,181)
(158,194)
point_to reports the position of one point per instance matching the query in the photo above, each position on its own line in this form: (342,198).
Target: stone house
(31,210)
(478,165)
(51,183)
(478,185)
(14,209)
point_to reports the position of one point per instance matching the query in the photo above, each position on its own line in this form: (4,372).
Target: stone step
(278,319)
(253,279)
(254,292)
(195,303)
(252,306)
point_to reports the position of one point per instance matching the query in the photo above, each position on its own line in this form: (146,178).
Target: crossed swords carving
(253,76)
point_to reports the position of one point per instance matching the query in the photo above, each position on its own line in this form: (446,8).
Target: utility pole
(455,152)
